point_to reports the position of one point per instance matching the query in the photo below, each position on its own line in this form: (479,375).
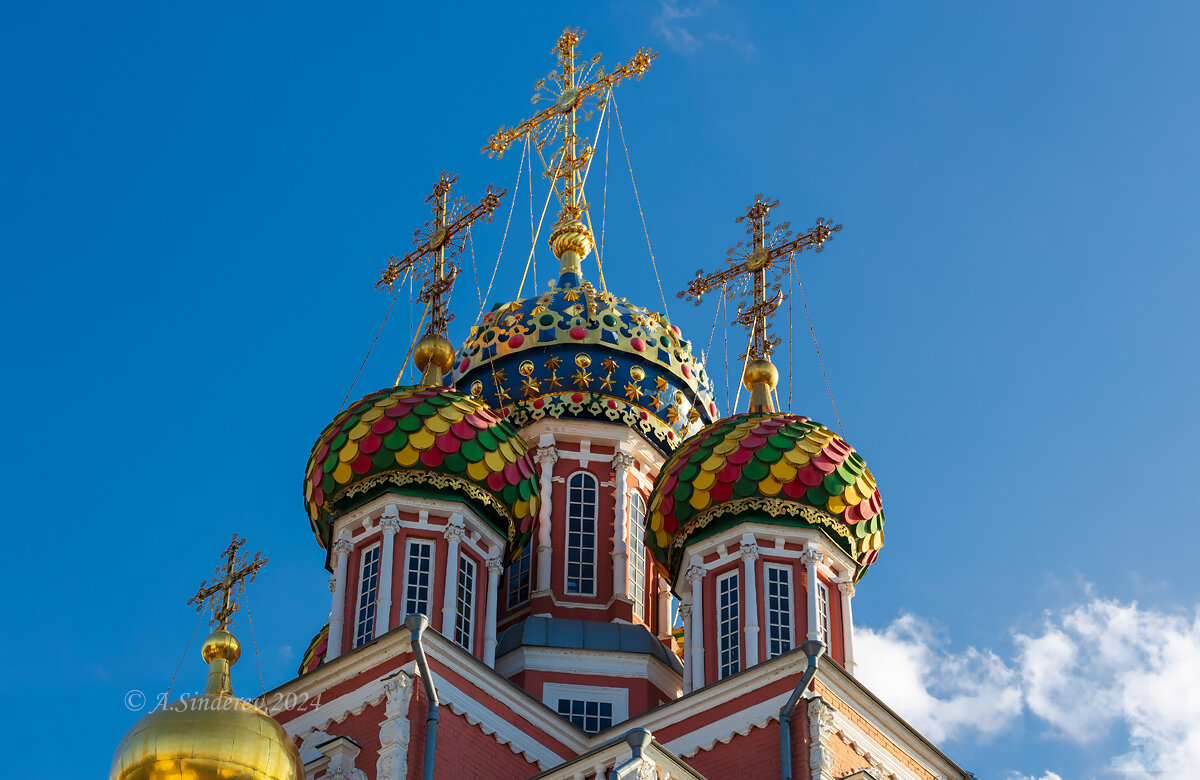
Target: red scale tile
(727,476)
(384,425)
(432,458)
(721,491)
(496,481)
(824,463)
(447,443)
(810,476)
(370,444)
(512,474)
(361,465)
(795,489)
(462,430)
(741,457)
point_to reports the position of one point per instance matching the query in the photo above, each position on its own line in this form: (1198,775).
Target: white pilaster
(546,457)
(337,613)
(395,729)
(847,590)
(622,461)
(812,556)
(494,567)
(389,525)
(685,611)
(749,553)
(454,533)
(695,575)
(664,612)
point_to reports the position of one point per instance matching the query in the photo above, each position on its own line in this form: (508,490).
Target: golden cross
(749,265)
(569,89)
(441,239)
(230,583)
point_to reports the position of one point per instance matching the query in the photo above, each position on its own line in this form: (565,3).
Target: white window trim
(617,697)
(469,646)
(791,611)
(737,628)
(358,605)
(432,573)
(826,630)
(637,568)
(526,555)
(595,535)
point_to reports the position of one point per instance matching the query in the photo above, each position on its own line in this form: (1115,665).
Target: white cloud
(944,695)
(1098,666)
(668,23)
(1048,776)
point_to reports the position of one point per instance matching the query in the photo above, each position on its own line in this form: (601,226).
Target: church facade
(554,557)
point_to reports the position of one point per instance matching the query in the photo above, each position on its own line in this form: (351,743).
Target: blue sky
(197,200)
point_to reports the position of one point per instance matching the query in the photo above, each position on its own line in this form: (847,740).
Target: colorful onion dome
(772,467)
(576,352)
(314,656)
(428,440)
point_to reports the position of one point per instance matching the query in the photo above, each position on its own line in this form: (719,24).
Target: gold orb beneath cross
(760,371)
(436,350)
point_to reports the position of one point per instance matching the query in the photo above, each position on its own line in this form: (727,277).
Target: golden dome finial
(433,356)
(215,736)
(760,377)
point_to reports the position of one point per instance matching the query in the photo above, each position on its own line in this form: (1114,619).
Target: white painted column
(685,611)
(389,525)
(664,611)
(454,533)
(749,553)
(811,556)
(695,575)
(337,614)
(622,461)
(546,457)
(395,730)
(494,567)
(847,590)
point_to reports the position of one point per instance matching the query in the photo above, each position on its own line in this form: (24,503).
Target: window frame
(555,692)
(729,658)
(789,613)
(464,604)
(635,545)
(590,566)
(364,625)
(431,545)
(824,624)
(520,569)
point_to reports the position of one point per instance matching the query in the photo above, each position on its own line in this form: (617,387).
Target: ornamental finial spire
(440,240)
(571,88)
(754,269)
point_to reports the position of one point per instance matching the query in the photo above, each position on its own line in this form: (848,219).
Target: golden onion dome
(216,736)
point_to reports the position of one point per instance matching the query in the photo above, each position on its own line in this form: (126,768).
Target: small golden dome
(216,736)
(434,357)
(760,378)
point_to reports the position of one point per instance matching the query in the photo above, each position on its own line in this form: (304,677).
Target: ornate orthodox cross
(229,583)
(749,267)
(440,239)
(569,89)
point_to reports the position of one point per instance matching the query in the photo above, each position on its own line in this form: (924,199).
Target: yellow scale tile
(704,480)
(770,487)
(421,440)
(494,461)
(477,471)
(437,425)
(349,452)
(714,463)
(374,414)
(359,431)
(408,456)
(387,403)
(342,473)
(726,447)
(700,499)
(783,472)
(851,496)
(836,505)
(798,457)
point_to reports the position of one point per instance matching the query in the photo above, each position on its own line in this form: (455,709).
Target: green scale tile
(755,471)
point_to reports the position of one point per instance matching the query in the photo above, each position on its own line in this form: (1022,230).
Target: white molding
(602,663)
(768,538)
(617,697)
(492,542)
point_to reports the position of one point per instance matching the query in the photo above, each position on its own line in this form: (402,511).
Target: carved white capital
(395,729)
(546,455)
(749,552)
(847,589)
(622,461)
(390,522)
(811,556)
(686,611)
(821,732)
(494,565)
(454,533)
(695,573)
(343,547)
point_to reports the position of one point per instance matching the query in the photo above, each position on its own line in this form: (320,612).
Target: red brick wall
(756,754)
(463,751)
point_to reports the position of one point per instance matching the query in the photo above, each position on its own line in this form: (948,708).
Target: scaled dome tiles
(780,467)
(576,352)
(431,438)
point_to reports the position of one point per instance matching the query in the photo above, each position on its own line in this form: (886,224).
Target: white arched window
(581,534)
(635,541)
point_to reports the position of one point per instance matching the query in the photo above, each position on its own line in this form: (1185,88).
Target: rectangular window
(368,591)
(464,622)
(581,534)
(779,609)
(418,578)
(591,716)
(823,613)
(636,544)
(518,577)
(729,660)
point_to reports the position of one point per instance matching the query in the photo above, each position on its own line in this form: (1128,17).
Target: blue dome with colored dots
(575,352)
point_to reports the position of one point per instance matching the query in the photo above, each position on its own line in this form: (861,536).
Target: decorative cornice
(775,507)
